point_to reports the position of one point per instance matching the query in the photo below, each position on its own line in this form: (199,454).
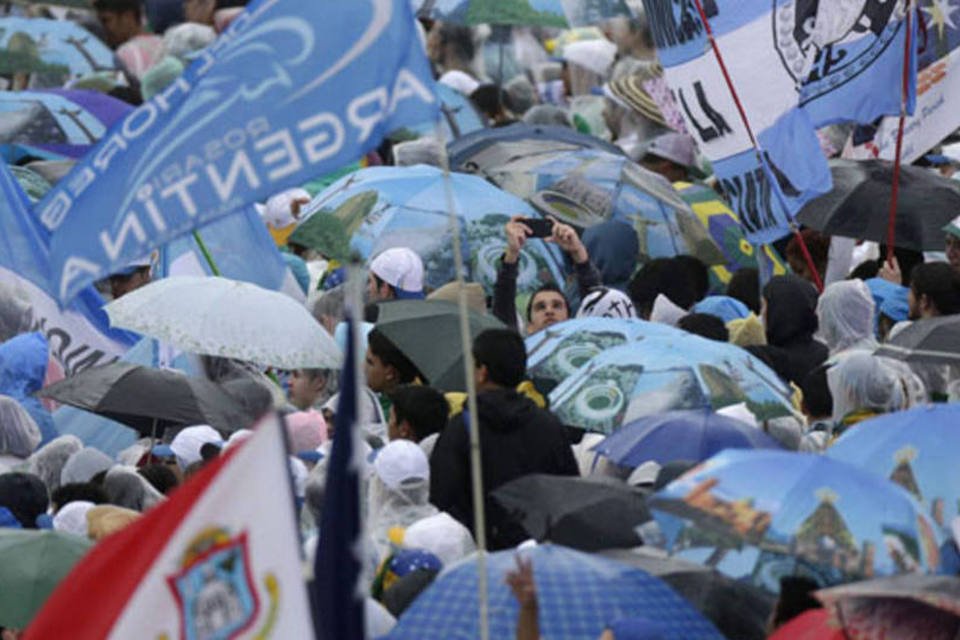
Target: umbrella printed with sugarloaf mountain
(809,508)
(384,207)
(51,52)
(660,374)
(544,13)
(560,350)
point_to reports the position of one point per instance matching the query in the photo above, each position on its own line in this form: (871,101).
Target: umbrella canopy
(845,521)
(33,562)
(857,207)
(458,116)
(494,147)
(814,624)
(723,225)
(384,207)
(428,333)
(584,187)
(914,449)
(680,435)
(661,374)
(904,607)
(737,608)
(560,350)
(66,123)
(51,51)
(149,400)
(933,340)
(543,13)
(578,594)
(222,317)
(588,514)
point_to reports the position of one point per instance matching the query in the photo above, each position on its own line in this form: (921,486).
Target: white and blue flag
(292,90)
(796,65)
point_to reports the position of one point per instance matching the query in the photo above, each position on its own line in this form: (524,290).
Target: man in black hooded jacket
(516,438)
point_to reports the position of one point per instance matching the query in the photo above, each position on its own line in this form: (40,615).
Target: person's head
(546,306)
(796,596)
(78,491)
(199,11)
(493,102)
(698,274)
(705,325)
(817,402)
(661,276)
(789,309)
(385,366)
(188,444)
(603,302)
(845,314)
(416,412)
(744,285)
(129,280)
(450,44)
(865,270)
(934,291)
(161,477)
(306,387)
(500,358)
(121,19)
(672,155)
(952,249)
(25,496)
(328,309)
(818,245)
(863,382)
(548,114)
(396,273)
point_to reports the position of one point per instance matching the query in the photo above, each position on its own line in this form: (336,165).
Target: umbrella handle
(904,90)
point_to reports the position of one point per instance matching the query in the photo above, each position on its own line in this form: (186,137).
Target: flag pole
(753,139)
(904,91)
(472,415)
(206,253)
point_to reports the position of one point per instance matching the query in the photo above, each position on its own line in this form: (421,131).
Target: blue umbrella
(66,123)
(915,449)
(458,116)
(578,595)
(547,13)
(660,374)
(51,51)
(680,435)
(817,510)
(560,350)
(492,147)
(383,207)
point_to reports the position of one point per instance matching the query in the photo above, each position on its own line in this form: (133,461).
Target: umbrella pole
(753,139)
(472,415)
(206,253)
(904,90)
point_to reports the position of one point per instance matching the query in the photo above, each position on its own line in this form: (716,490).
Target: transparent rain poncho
(864,382)
(47,462)
(19,434)
(400,507)
(83,465)
(127,488)
(846,315)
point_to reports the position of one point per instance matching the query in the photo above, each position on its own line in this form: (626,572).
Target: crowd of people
(817,328)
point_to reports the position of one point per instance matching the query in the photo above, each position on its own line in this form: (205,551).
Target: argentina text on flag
(795,65)
(294,89)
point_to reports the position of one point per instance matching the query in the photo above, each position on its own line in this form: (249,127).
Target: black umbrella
(428,333)
(859,204)
(150,400)
(738,609)
(583,513)
(935,340)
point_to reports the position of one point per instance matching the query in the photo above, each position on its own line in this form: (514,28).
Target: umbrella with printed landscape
(50,52)
(545,13)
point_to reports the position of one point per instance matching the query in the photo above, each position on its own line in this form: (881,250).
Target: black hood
(791,310)
(505,410)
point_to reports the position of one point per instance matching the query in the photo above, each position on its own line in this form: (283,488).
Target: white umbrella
(222,317)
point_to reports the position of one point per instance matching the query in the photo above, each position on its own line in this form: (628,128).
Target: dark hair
(161,477)
(745,287)
(818,244)
(491,99)
(78,491)
(424,408)
(25,496)
(817,399)
(705,325)
(865,270)
(460,37)
(546,287)
(698,274)
(796,596)
(390,355)
(940,283)
(119,6)
(504,354)
(656,277)
(907,260)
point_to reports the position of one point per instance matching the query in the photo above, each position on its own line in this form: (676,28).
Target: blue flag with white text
(79,334)
(292,90)
(337,593)
(795,65)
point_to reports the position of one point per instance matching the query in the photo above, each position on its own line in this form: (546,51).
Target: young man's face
(304,389)
(397,430)
(548,308)
(380,377)
(953,251)
(118,27)
(377,291)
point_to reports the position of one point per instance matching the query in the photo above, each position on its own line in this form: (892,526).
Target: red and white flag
(219,560)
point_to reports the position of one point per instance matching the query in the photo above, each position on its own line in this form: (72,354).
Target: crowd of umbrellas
(694,507)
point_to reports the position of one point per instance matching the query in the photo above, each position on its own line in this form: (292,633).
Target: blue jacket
(23,367)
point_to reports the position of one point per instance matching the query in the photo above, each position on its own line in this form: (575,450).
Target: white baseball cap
(402,269)
(399,462)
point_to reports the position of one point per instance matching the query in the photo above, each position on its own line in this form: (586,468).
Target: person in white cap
(395,274)
(399,491)
(672,155)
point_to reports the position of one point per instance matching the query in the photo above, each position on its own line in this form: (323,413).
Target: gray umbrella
(936,340)
(149,400)
(859,203)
